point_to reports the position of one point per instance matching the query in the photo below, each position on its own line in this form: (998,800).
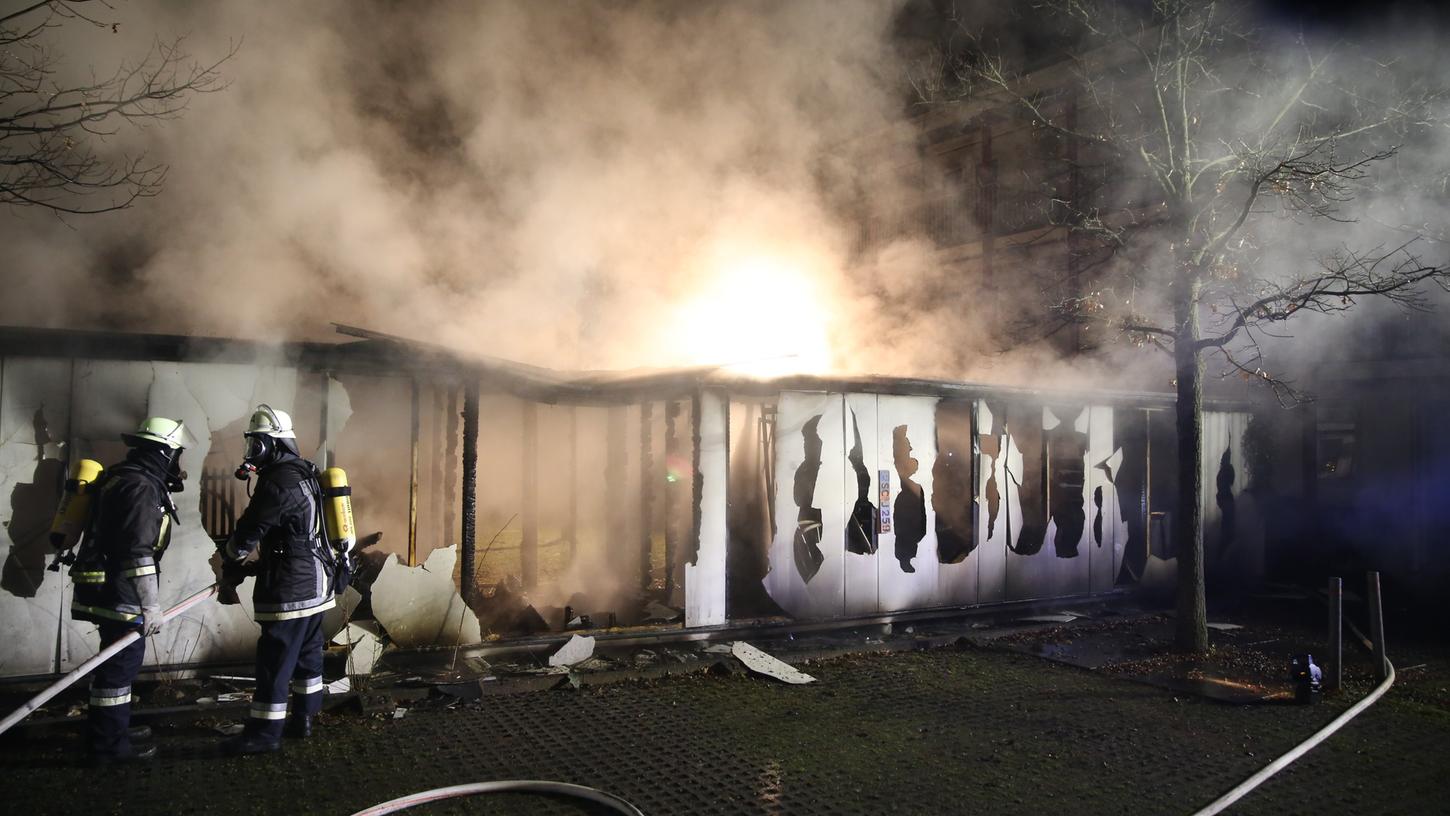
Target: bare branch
(48,157)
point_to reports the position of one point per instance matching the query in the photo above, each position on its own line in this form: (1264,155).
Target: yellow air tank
(75,504)
(337,510)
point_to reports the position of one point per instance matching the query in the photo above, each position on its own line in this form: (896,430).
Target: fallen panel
(762,663)
(365,646)
(1064,618)
(655,611)
(334,619)
(420,606)
(579,648)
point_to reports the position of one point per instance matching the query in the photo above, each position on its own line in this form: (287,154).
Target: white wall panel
(862,570)
(901,590)
(1107,531)
(705,579)
(801,420)
(956,438)
(991,552)
(1225,480)
(34,427)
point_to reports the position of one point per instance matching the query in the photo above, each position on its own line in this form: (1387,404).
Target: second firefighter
(280,540)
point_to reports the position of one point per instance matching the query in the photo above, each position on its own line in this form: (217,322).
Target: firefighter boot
(133,753)
(139,733)
(299,726)
(245,743)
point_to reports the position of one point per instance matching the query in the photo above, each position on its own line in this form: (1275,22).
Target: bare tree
(50,129)
(1227,141)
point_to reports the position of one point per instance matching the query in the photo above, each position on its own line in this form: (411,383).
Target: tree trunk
(1192,624)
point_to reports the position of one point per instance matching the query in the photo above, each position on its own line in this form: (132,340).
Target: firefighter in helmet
(116,577)
(280,540)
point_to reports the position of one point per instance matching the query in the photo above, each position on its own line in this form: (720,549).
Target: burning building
(498,499)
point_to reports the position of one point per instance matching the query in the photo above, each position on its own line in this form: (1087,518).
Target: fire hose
(609,800)
(101,657)
(1243,788)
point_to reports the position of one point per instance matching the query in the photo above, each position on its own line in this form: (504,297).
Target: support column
(413,479)
(435,529)
(646,491)
(1334,652)
(450,501)
(1377,626)
(529,547)
(470,489)
(672,489)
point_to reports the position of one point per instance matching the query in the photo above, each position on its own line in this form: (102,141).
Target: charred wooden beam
(413,428)
(529,548)
(470,489)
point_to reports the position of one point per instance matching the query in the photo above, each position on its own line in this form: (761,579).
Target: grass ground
(946,731)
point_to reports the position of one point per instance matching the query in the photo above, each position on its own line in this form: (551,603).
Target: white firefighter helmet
(269,421)
(169,433)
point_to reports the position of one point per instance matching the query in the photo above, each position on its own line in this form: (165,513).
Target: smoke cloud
(579,185)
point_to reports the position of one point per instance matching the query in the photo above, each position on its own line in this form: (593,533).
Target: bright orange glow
(760,313)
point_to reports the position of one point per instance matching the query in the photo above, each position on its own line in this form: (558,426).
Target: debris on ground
(420,606)
(762,663)
(656,612)
(364,641)
(1057,618)
(577,649)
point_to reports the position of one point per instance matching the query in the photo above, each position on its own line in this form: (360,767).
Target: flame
(759,312)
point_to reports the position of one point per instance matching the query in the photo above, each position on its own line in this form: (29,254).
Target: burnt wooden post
(436,531)
(413,479)
(646,491)
(470,489)
(529,547)
(1334,651)
(450,501)
(1377,626)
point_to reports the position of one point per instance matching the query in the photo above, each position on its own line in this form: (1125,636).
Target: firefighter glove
(149,593)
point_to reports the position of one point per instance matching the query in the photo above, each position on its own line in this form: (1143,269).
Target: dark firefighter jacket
(128,533)
(283,527)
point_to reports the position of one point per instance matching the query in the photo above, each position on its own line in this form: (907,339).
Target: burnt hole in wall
(1067,448)
(861,526)
(952,489)
(1098,515)
(806,543)
(1130,481)
(1228,522)
(990,444)
(1024,424)
(910,505)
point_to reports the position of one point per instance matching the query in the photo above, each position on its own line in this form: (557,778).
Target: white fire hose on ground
(101,657)
(609,800)
(1243,788)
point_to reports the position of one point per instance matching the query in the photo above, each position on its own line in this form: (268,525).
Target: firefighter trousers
(109,713)
(289,659)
